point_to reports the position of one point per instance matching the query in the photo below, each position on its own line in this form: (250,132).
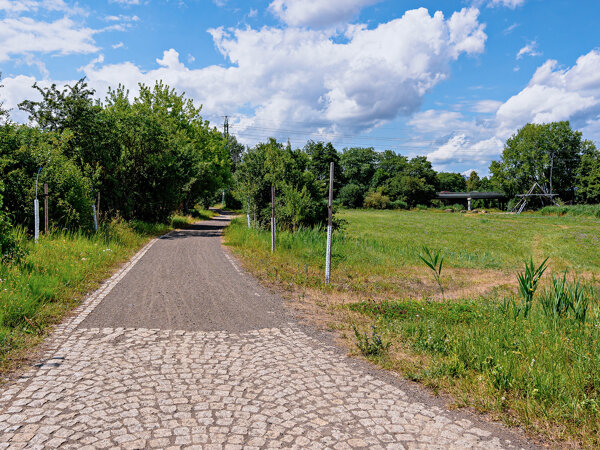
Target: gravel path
(181,348)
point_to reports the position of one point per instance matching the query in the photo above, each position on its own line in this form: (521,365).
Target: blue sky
(448,79)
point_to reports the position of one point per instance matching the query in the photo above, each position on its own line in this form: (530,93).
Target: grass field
(58,271)
(377,254)
(540,370)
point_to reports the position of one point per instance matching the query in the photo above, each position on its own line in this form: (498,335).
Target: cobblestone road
(162,388)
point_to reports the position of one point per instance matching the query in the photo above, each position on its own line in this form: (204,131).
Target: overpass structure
(468,196)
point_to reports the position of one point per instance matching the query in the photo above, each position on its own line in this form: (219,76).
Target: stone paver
(143,388)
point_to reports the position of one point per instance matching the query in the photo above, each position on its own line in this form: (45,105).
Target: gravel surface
(182,348)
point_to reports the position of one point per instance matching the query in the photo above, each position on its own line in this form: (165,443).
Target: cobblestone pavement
(271,387)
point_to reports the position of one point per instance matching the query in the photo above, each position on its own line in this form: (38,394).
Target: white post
(36,210)
(329,226)
(272,218)
(248,215)
(36,219)
(469,203)
(95,217)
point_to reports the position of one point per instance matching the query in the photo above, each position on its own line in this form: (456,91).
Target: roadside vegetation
(527,352)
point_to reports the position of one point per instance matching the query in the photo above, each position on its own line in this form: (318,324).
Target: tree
(588,174)
(299,197)
(548,154)
(451,182)
(3,112)
(473,182)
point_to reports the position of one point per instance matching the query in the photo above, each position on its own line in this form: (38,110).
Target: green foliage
(300,199)
(571,210)
(533,153)
(351,196)
(376,200)
(473,182)
(147,157)
(435,261)
(451,182)
(11,247)
(372,345)
(588,174)
(528,283)
(564,297)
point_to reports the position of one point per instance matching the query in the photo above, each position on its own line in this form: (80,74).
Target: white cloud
(553,94)
(317,13)
(460,149)
(556,94)
(22,35)
(21,6)
(126,2)
(119,45)
(486,106)
(508,3)
(253,12)
(301,75)
(529,50)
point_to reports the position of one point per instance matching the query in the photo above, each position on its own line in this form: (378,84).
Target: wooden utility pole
(272,218)
(45,208)
(329,226)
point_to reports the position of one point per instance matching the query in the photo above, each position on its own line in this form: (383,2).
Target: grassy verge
(57,271)
(541,371)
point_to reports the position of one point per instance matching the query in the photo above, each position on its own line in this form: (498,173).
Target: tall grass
(56,271)
(575,210)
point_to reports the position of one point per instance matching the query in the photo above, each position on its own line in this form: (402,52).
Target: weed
(528,283)
(370,345)
(434,260)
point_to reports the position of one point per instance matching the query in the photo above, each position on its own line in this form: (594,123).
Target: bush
(11,249)
(399,204)
(376,200)
(351,196)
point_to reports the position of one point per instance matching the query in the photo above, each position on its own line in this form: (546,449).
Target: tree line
(154,154)
(148,156)
(553,155)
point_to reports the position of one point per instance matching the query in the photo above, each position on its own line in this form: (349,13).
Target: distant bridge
(468,196)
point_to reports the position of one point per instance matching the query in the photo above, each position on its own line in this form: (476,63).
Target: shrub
(351,196)
(376,200)
(399,204)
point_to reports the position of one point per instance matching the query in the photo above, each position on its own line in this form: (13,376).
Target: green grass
(54,275)
(197,214)
(378,252)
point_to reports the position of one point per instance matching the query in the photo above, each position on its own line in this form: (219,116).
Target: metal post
(223,199)
(95,217)
(272,218)
(469,204)
(248,215)
(45,208)
(36,210)
(329,226)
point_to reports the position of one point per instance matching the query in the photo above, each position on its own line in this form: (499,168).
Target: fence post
(272,218)
(36,209)
(45,208)
(329,226)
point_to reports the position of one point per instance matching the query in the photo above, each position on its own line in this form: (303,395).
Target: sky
(451,79)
